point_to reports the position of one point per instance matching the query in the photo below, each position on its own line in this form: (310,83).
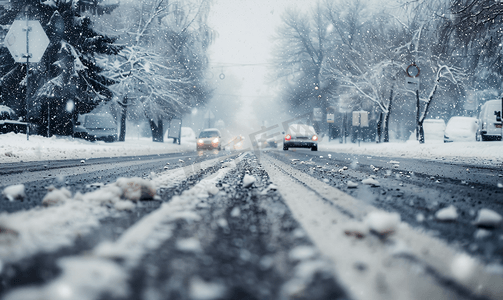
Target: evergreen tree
(67,81)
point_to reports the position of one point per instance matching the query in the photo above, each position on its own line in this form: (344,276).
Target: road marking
(428,272)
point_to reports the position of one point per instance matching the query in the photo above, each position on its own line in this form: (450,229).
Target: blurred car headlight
(315,138)
(200,142)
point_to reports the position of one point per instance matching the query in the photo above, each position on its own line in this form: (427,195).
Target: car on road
(434,130)
(209,139)
(461,129)
(96,127)
(300,136)
(9,122)
(489,128)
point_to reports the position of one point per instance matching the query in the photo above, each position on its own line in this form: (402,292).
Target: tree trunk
(122,134)
(379,128)
(425,113)
(157,131)
(386,120)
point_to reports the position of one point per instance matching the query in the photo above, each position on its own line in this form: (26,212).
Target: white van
(489,128)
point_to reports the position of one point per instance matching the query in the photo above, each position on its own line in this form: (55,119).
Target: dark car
(301,136)
(96,127)
(9,121)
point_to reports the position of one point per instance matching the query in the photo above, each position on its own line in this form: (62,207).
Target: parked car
(9,121)
(209,139)
(300,136)
(489,128)
(434,130)
(96,127)
(461,129)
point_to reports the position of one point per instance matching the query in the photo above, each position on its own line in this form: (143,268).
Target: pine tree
(67,81)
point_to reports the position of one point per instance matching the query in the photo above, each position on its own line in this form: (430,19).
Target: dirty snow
(248,181)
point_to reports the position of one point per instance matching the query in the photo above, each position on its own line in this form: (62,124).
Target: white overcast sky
(245,28)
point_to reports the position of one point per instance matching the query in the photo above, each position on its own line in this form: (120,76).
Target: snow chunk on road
(352,185)
(302,253)
(488,218)
(14,192)
(202,290)
(57,196)
(447,214)
(136,188)
(383,222)
(248,181)
(189,245)
(462,267)
(371,182)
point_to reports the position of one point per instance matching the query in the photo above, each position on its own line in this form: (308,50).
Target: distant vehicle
(187,134)
(9,121)
(265,142)
(434,130)
(300,136)
(489,128)
(461,129)
(209,139)
(96,127)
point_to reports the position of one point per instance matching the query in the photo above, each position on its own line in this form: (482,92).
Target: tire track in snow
(91,275)
(371,268)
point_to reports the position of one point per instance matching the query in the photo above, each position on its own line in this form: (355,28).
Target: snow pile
(371,181)
(135,188)
(14,192)
(56,196)
(488,218)
(15,148)
(383,222)
(248,181)
(491,153)
(94,275)
(447,214)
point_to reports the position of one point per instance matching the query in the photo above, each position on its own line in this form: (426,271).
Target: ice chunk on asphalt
(236,212)
(189,245)
(383,222)
(462,267)
(213,190)
(447,214)
(482,234)
(371,182)
(351,185)
(202,290)
(302,253)
(488,218)
(56,196)
(248,181)
(14,192)
(136,188)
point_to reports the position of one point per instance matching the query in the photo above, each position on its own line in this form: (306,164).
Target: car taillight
(315,138)
(288,137)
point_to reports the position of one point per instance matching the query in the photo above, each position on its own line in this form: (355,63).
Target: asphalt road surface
(257,225)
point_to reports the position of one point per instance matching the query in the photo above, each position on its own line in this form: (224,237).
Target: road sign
(361,118)
(330,118)
(209,115)
(413,70)
(26,39)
